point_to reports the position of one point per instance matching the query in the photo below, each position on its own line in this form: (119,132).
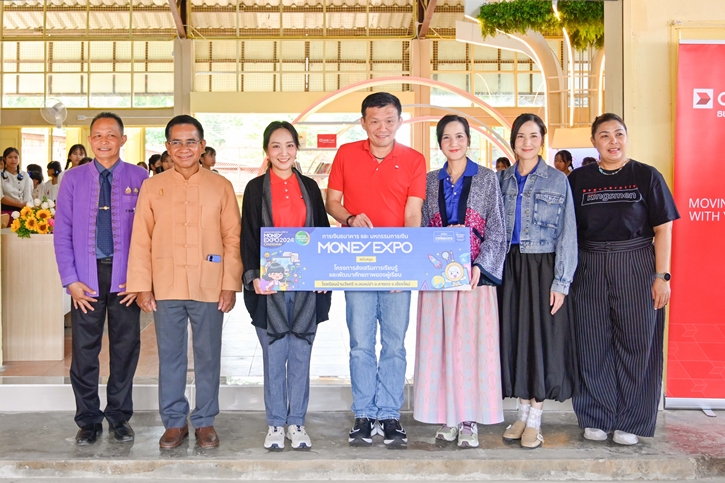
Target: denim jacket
(547,218)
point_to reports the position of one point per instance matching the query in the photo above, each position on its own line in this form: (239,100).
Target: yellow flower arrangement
(37,217)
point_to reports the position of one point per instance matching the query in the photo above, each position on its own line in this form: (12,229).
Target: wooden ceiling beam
(426,11)
(176,15)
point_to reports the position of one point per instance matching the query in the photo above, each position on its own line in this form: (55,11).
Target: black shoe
(88,434)
(361,433)
(393,432)
(122,432)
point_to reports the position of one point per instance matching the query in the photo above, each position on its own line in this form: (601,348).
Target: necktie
(105,229)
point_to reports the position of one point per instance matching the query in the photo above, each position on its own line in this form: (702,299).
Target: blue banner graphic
(307,259)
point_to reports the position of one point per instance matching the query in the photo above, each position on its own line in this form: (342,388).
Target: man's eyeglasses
(187,144)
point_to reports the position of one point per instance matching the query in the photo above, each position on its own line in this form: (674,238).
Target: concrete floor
(688,445)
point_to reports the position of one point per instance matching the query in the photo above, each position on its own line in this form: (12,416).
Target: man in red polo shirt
(377,182)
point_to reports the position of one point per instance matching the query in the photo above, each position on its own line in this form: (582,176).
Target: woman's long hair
(72,150)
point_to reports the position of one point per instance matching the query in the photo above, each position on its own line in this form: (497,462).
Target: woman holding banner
(538,356)
(621,287)
(286,322)
(457,366)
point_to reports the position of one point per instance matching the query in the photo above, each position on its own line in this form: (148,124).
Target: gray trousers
(171,336)
(286,378)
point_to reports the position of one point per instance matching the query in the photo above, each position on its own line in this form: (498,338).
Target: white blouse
(50,190)
(20,189)
(39,192)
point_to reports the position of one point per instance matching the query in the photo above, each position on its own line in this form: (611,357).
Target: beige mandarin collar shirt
(180,228)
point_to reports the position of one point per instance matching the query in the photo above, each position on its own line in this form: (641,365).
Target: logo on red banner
(702,98)
(327,141)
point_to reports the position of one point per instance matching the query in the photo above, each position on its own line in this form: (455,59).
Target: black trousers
(124,337)
(620,339)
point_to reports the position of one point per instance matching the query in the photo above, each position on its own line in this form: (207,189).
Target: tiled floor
(241,352)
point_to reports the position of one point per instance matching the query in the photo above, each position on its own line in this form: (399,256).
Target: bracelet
(347,220)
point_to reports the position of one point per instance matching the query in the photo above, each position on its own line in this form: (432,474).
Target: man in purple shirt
(93,221)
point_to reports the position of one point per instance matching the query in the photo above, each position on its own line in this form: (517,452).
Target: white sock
(534,420)
(524,411)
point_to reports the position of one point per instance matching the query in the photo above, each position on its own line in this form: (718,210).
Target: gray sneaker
(447,433)
(467,435)
(274,438)
(298,436)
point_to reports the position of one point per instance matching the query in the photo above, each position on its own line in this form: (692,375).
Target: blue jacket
(547,218)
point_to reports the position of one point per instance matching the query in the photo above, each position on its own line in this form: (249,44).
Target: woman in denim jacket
(538,357)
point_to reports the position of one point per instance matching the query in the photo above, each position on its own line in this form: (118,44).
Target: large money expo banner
(696,338)
(365,259)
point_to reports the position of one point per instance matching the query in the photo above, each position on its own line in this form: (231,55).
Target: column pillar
(614,61)
(420,67)
(183,75)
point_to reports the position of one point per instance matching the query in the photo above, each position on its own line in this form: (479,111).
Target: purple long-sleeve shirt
(75,223)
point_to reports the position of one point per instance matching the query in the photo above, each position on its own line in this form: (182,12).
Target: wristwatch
(664,276)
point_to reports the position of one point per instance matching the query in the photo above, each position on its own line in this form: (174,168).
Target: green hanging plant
(583,20)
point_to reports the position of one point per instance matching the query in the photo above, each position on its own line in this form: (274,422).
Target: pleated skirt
(538,350)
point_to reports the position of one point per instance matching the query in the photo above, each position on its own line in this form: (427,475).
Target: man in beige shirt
(185,263)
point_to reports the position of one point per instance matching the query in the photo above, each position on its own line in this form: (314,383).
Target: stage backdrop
(696,355)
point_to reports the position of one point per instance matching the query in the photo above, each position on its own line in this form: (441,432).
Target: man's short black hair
(107,115)
(184,119)
(381,99)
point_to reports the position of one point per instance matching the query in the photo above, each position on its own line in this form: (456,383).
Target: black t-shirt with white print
(620,206)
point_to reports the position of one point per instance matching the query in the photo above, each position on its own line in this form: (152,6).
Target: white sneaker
(274,438)
(447,433)
(622,437)
(594,434)
(298,436)
(467,435)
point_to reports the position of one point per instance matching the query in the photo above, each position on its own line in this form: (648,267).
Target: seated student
(85,160)
(50,187)
(35,172)
(17,186)
(286,322)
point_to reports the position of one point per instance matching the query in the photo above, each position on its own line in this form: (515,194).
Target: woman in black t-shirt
(621,287)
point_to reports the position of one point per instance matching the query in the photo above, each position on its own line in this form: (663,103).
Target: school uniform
(19,186)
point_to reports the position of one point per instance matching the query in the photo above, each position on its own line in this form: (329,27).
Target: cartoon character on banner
(274,276)
(454,273)
(281,271)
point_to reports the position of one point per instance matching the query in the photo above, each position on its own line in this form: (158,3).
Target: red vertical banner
(696,350)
